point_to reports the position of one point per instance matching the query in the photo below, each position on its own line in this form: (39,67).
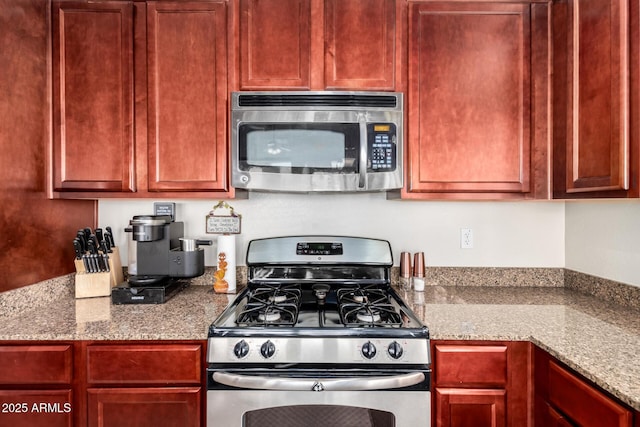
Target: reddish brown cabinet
(155,124)
(319,44)
(145,384)
(481,383)
(564,398)
(187,89)
(478,100)
(596,97)
(36,385)
(93,133)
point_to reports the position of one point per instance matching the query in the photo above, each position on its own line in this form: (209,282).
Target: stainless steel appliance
(318,338)
(316,141)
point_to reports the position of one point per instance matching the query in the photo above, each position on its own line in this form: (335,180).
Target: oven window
(318,416)
(300,148)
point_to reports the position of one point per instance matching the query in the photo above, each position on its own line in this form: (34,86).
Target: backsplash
(505,234)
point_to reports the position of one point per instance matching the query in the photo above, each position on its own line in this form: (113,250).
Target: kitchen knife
(78,248)
(95,245)
(110,231)
(107,244)
(99,234)
(88,268)
(105,261)
(83,240)
(93,257)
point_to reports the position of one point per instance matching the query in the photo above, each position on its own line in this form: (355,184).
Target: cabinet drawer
(582,403)
(25,408)
(472,365)
(144,364)
(36,364)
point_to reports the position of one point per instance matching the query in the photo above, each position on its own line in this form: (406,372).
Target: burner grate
(271,306)
(367,308)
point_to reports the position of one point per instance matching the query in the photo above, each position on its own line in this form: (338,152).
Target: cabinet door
(28,408)
(187,69)
(592,64)
(360,44)
(275,44)
(144,407)
(93,96)
(585,405)
(470,98)
(470,407)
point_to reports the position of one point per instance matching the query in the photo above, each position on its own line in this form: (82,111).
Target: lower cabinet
(481,383)
(36,385)
(102,383)
(145,384)
(564,398)
(140,407)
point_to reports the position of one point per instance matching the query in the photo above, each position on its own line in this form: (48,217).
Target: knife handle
(110,231)
(77,246)
(98,233)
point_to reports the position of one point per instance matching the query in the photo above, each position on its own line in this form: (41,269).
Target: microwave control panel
(381,147)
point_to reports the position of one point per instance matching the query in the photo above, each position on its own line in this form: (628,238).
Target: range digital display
(319,248)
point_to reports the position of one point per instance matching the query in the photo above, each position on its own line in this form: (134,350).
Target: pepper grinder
(418,271)
(405,270)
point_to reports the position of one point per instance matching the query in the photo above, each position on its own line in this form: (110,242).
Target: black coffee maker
(159,255)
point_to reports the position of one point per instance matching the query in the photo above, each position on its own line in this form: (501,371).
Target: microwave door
(299,156)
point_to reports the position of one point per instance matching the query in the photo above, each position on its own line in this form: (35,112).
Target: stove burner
(368,317)
(367,307)
(272,305)
(269,316)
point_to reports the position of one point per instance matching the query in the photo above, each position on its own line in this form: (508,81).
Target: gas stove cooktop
(318,298)
(318,309)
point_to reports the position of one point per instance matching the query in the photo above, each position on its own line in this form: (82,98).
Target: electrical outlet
(466,238)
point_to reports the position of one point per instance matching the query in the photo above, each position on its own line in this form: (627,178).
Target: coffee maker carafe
(159,251)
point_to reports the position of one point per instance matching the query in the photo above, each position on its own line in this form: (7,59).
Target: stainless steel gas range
(318,338)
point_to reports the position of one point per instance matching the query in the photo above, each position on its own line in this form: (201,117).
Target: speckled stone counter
(599,339)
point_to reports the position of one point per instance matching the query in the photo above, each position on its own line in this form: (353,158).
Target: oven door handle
(318,384)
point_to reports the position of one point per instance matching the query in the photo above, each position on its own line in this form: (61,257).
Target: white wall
(603,239)
(506,234)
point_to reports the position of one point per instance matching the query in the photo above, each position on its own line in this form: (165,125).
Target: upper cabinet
(93,131)
(140,99)
(478,85)
(319,44)
(596,98)
(187,96)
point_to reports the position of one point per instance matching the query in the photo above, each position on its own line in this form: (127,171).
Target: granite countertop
(600,340)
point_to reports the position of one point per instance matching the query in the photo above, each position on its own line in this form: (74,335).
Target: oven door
(359,398)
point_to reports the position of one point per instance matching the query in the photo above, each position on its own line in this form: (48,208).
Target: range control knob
(241,349)
(395,350)
(268,349)
(368,350)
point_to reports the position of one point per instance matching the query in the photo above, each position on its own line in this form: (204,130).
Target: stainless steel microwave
(316,141)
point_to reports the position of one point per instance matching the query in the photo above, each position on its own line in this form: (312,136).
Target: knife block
(115,267)
(99,284)
(93,284)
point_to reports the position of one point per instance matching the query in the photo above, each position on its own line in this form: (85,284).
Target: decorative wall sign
(223,224)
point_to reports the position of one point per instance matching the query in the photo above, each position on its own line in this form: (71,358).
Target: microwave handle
(252,382)
(362,179)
